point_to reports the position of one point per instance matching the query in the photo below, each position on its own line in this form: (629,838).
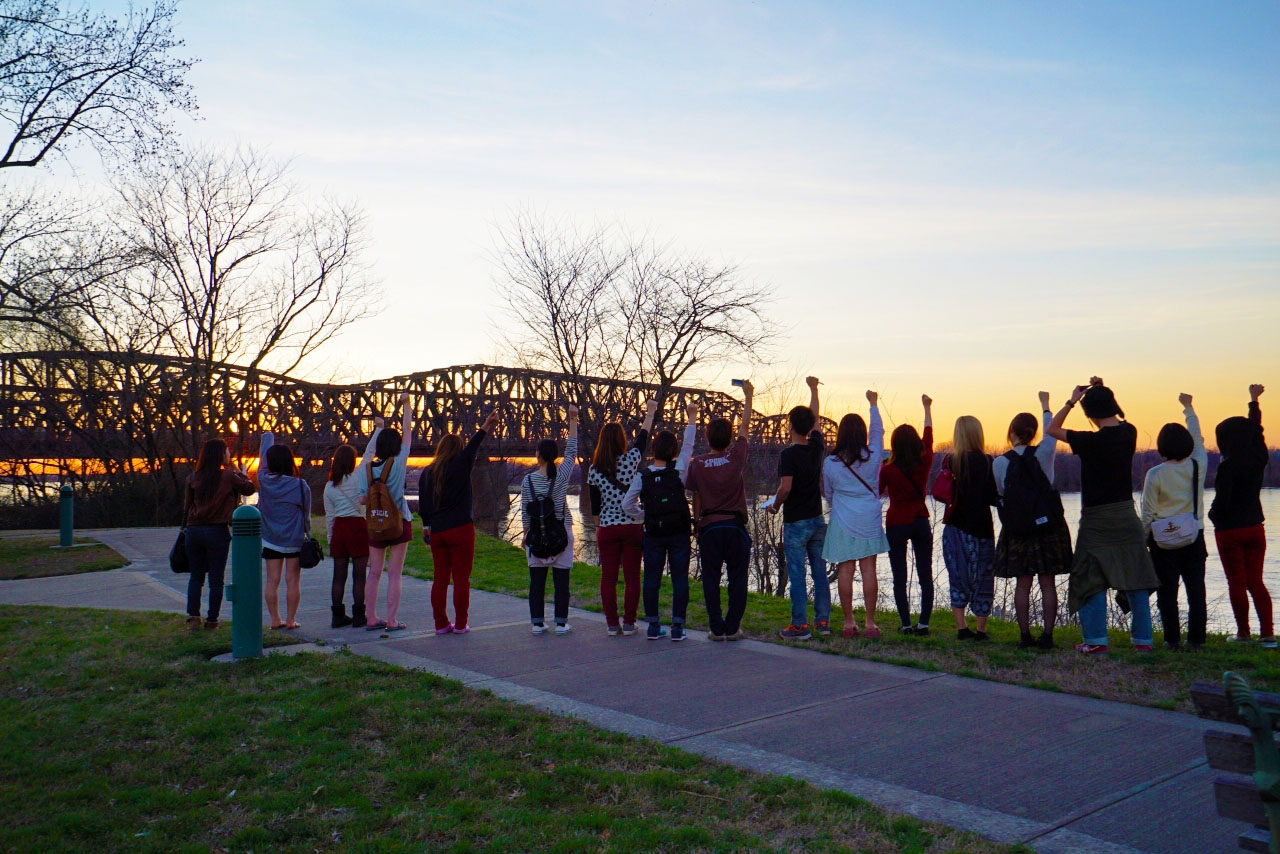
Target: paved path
(1060,773)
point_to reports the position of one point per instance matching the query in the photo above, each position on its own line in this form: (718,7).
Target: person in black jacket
(444,501)
(1237,518)
(968,535)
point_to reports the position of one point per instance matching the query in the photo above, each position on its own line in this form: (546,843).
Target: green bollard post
(245,590)
(66,508)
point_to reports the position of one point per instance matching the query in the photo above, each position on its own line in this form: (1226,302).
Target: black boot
(340,617)
(357,615)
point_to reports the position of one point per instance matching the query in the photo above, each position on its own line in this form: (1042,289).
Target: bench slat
(1256,839)
(1229,751)
(1211,704)
(1239,798)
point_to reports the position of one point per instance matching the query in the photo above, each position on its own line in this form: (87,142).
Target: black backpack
(547,536)
(1030,501)
(666,510)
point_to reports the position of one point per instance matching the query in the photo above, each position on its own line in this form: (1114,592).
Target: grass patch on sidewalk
(36,557)
(118,734)
(1161,679)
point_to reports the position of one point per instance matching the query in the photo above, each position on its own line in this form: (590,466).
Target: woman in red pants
(444,500)
(1237,519)
(618,535)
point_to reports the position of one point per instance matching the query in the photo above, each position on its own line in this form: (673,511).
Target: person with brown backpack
(387,515)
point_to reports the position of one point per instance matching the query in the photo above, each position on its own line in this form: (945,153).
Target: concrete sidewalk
(1057,772)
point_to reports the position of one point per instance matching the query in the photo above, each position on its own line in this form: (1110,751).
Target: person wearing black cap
(1111,552)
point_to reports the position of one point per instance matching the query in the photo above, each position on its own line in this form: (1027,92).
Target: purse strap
(302,505)
(1195,488)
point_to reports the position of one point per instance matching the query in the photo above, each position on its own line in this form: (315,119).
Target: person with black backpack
(548,527)
(657,495)
(1035,542)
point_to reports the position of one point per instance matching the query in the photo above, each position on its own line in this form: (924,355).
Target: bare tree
(75,76)
(237,266)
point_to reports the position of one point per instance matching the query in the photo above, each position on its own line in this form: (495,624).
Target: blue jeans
(207,547)
(800,540)
(1093,618)
(673,550)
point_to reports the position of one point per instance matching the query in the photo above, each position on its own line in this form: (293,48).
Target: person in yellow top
(1173,514)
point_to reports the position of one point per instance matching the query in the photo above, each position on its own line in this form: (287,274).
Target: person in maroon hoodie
(904,478)
(213,493)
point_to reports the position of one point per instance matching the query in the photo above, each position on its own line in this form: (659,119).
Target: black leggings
(340,580)
(538,592)
(920,535)
(1185,565)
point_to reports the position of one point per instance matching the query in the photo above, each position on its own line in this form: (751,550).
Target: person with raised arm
(213,492)
(968,535)
(657,495)
(904,478)
(1111,551)
(284,500)
(856,533)
(389,465)
(1035,541)
(619,535)
(1237,518)
(720,510)
(804,530)
(348,535)
(542,508)
(1173,517)
(444,502)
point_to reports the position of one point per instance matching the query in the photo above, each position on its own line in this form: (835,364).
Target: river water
(1220,617)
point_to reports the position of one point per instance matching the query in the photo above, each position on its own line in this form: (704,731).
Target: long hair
(905,448)
(611,444)
(448,448)
(548,453)
(1023,428)
(209,468)
(280,460)
(966,438)
(343,464)
(851,440)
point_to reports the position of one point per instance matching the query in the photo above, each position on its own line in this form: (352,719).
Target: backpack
(1030,501)
(546,536)
(381,513)
(666,510)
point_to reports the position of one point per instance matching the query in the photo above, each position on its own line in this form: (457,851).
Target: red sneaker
(1092,649)
(1142,647)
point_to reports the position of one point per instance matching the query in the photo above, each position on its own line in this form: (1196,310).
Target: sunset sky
(977,200)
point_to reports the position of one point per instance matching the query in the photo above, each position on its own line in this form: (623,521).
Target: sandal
(873,632)
(851,631)
(278,627)
(294,625)
(398,627)
(375,627)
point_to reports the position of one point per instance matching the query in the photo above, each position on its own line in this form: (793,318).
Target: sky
(971,200)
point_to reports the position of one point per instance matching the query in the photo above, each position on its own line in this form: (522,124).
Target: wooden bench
(1250,791)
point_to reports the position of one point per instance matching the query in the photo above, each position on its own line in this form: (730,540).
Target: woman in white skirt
(855,534)
(550,480)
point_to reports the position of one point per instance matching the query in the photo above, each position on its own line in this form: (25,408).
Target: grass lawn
(118,734)
(1161,679)
(35,557)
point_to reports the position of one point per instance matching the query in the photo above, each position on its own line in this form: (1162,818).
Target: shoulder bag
(1181,530)
(311,553)
(178,554)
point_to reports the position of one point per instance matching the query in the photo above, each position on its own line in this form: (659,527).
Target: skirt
(1111,554)
(406,534)
(840,546)
(1046,552)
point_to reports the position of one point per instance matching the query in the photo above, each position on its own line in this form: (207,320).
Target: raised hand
(926,400)
(691,410)
(1184,399)
(1255,391)
(747,388)
(1078,392)
(490,422)
(573,412)
(1096,381)
(872,397)
(404,398)
(650,407)
(812,382)
(379,422)
(1044,400)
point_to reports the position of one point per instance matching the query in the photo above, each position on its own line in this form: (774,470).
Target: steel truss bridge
(91,405)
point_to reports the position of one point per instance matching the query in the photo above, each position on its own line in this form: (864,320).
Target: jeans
(724,545)
(672,550)
(620,546)
(920,535)
(1093,618)
(800,540)
(207,547)
(1185,565)
(538,592)
(452,553)
(1242,551)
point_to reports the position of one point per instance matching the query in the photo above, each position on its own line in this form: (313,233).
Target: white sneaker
(611,630)
(1238,639)
(1267,643)
(539,628)
(563,628)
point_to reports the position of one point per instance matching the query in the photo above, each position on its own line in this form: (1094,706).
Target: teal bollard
(66,509)
(245,590)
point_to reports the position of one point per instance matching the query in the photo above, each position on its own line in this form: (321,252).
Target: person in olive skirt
(1034,542)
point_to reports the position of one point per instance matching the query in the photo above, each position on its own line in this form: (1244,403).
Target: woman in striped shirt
(548,478)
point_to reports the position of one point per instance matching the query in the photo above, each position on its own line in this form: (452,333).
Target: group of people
(645,524)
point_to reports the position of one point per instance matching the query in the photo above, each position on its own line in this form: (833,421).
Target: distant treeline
(1067,470)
